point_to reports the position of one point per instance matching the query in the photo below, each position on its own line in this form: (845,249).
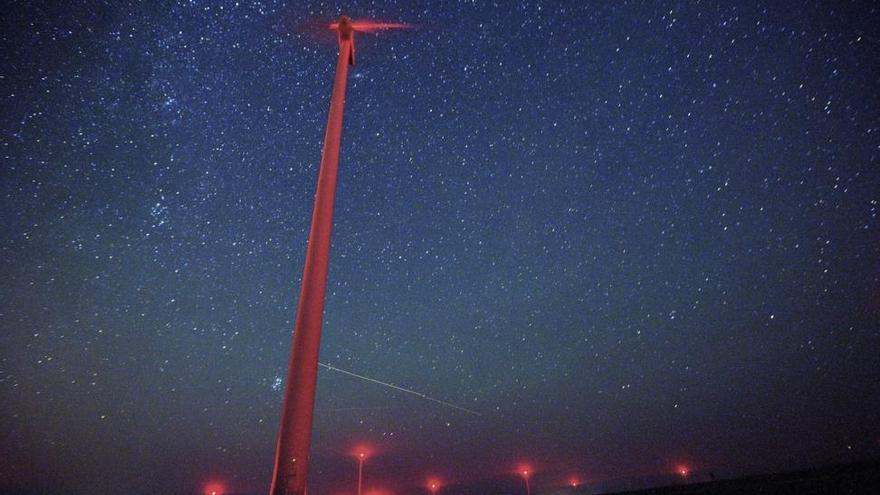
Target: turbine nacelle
(345,29)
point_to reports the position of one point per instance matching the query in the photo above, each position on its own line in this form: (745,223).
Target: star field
(633,236)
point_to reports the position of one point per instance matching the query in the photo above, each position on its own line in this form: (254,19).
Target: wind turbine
(294,434)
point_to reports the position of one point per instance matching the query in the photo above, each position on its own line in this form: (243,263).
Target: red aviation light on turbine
(683,470)
(362,451)
(214,488)
(433,485)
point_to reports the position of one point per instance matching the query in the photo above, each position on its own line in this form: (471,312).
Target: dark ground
(861,478)
(850,479)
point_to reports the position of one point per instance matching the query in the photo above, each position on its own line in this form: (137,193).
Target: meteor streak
(396,387)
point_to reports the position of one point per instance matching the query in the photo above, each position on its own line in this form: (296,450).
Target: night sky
(633,236)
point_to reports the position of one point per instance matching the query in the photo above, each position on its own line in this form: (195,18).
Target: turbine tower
(295,431)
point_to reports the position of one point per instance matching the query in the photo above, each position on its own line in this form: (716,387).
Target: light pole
(361,456)
(525,472)
(361,452)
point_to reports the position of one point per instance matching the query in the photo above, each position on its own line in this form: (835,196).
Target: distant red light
(378,491)
(683,471)
(524,470)
(573,482)
(433,485)
(214,488)
(362,452)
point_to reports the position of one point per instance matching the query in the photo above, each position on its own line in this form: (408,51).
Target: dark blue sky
(632,235)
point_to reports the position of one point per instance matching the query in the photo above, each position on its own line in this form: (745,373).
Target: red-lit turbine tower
(295,431)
